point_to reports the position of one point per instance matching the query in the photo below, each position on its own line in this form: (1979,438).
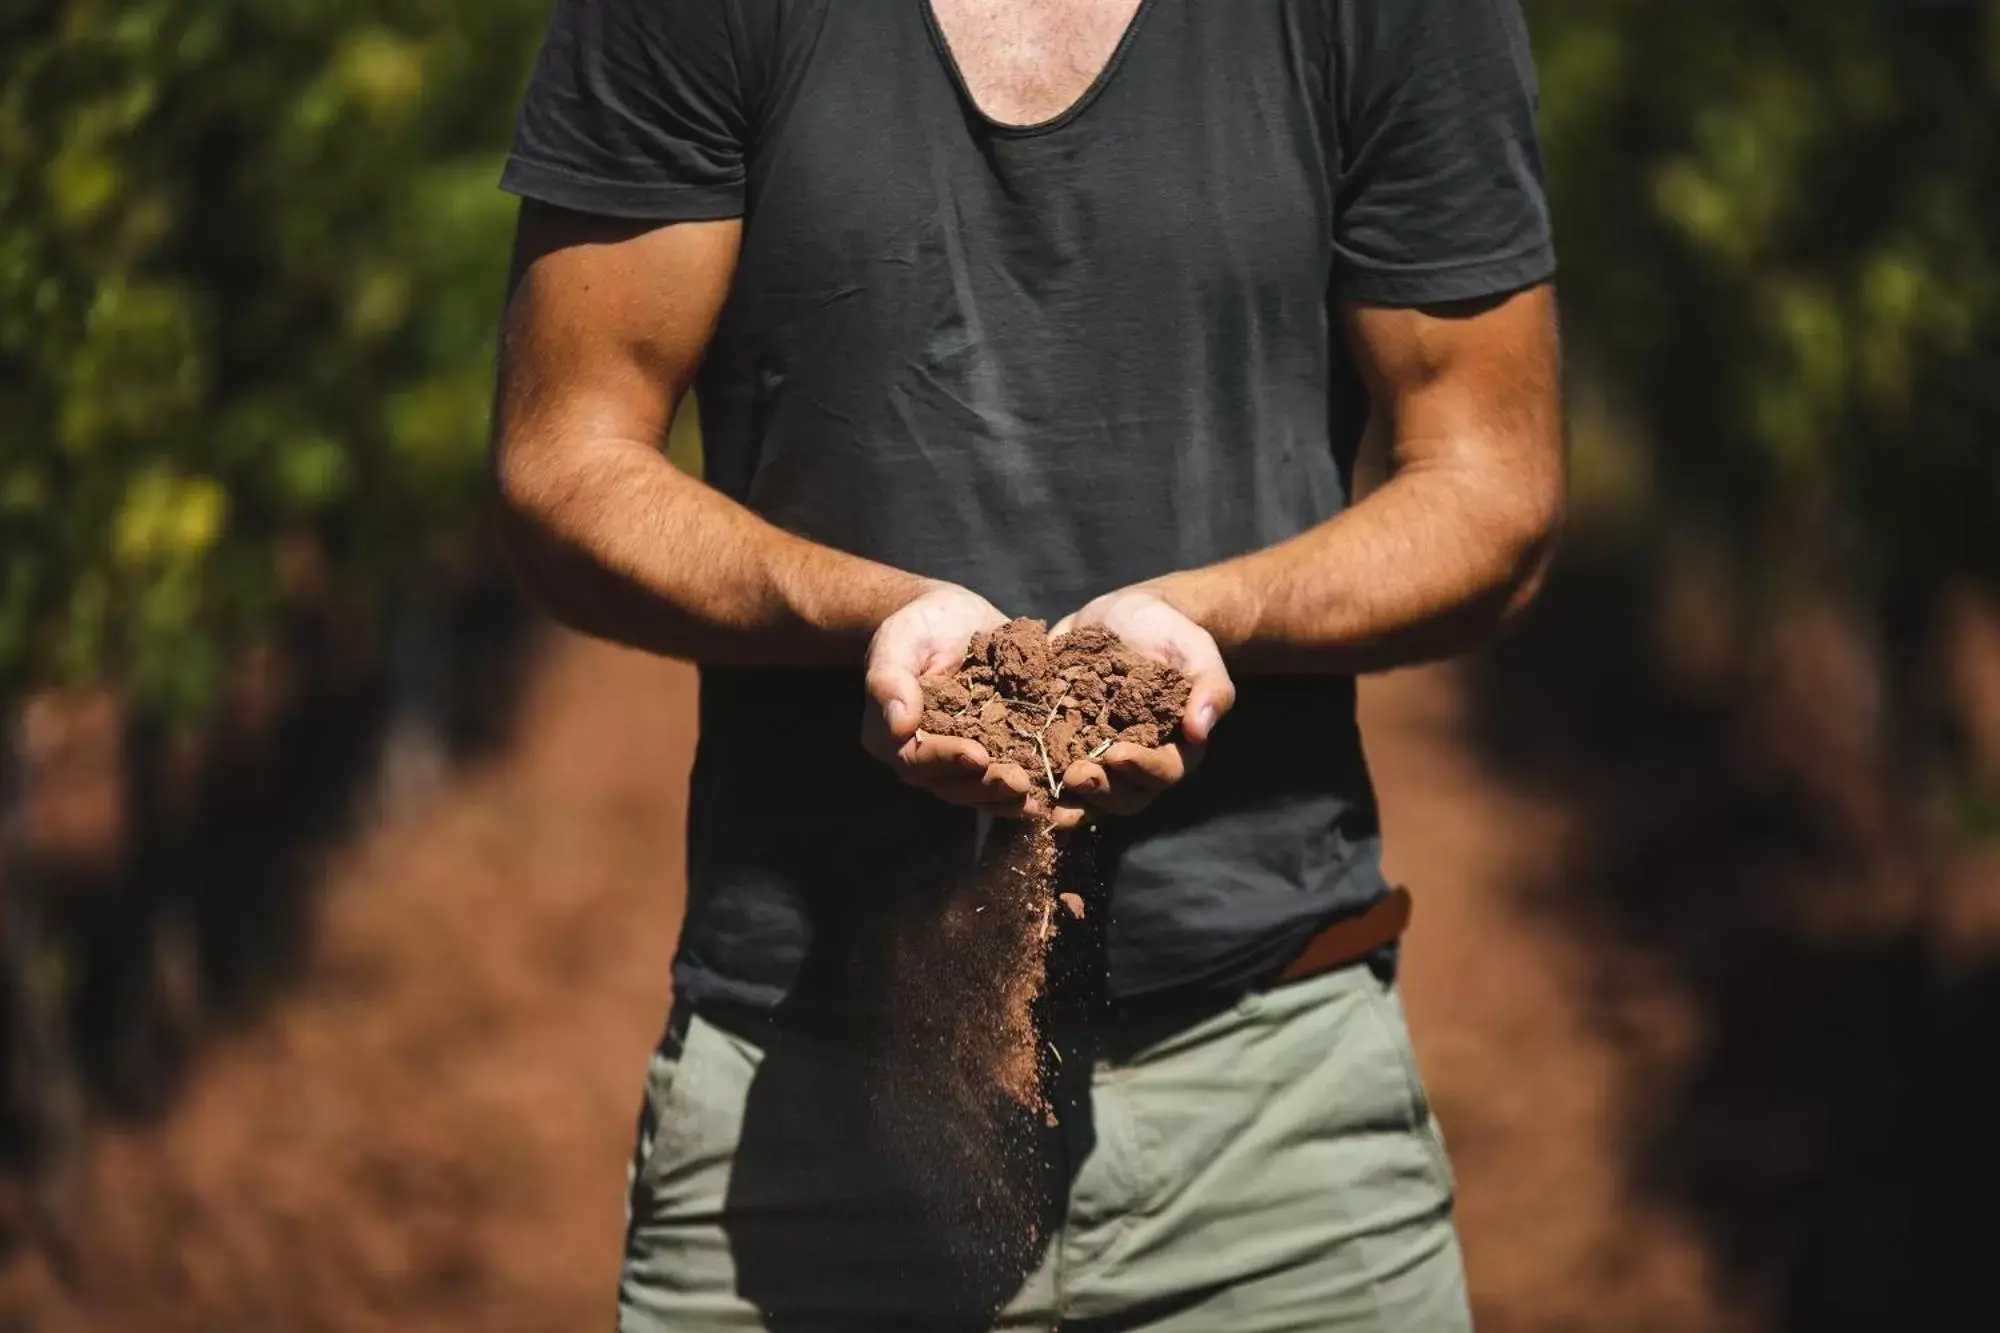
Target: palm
(938,642)
(1127,778)
(926,637)
(1152,628)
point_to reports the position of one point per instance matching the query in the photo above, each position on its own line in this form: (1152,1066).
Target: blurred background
(337,891)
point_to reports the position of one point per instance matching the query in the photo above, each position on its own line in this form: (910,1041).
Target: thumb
(1063,626)
(899,700)
(891,715)
(1212,696)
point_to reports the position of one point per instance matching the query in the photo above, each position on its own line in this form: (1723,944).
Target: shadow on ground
(1831,1132)
(204,913)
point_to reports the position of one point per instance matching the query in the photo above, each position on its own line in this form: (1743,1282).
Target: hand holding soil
(1127,777)
(1025,715)
(1074,708)
(1036,710)
(927,637)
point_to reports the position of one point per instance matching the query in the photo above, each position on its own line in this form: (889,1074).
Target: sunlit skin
(606,323)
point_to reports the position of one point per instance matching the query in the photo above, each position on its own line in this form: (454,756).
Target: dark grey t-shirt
(1043,362)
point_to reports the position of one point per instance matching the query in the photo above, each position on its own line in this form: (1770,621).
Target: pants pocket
(662,1067)
(1387,1006)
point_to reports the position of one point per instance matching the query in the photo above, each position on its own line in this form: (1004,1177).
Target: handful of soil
(972,972)
(964,1103)
(1043,704)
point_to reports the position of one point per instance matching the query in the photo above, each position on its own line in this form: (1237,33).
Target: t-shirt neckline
(1090,94)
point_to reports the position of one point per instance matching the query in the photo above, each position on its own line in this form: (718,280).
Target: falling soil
(1042,704)
(968,1091)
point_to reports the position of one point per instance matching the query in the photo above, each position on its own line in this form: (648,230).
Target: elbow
(1532,540)
(520,482)
(526,524)
(544,529)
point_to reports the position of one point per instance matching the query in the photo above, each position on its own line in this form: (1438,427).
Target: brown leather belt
(1351,939)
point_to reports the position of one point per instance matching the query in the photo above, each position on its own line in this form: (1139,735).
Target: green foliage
(250,253)
(1780,225)
(250,261)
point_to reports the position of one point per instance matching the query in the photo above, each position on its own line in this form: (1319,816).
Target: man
(1073,309)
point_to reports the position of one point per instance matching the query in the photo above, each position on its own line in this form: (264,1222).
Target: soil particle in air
(970,970)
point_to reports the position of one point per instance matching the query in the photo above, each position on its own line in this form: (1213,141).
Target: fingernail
(1206,717)
(895,713)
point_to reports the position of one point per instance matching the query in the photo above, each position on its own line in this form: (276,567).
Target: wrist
(1215,598)
(873,599)
(845,605)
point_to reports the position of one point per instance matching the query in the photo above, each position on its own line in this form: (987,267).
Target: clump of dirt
(1044,704)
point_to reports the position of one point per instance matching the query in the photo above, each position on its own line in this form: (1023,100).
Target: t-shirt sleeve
(1439,190)
(636,109)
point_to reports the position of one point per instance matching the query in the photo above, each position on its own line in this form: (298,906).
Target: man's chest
(1026,62)
(1186,178)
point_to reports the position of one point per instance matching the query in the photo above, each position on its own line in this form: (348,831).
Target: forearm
(1456,540)
(1433,561)
(613,540)
(606,321)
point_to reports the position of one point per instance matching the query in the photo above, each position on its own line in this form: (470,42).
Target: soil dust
(973,971)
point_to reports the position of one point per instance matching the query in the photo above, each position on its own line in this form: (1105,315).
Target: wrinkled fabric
(1272,1168)
(1042,362)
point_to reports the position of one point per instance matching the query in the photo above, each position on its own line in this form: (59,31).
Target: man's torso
(1041,358)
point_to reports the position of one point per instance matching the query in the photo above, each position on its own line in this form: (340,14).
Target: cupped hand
(928,637)
(1127,777)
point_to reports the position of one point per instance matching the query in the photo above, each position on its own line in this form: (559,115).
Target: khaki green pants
(1272,1166)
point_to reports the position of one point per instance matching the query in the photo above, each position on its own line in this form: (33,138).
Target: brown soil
(429,1129)
(965,972)
(969,974)
(1044,704)
(959,1092)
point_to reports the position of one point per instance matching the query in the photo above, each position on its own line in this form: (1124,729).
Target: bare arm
(606,322)
(1457,539)
(1453,543)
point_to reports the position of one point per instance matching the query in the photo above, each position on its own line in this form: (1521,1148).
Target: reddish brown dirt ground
(429,1130)
(1531,1091)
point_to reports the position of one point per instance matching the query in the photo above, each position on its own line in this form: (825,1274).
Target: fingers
(1156,768)
(932,761)
(1128,777)
(1002,790)
(1066,817)
(1124,781)
(1063,626)
(961,773)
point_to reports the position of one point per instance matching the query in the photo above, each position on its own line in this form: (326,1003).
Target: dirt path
(1531,1090)
(430,1131)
